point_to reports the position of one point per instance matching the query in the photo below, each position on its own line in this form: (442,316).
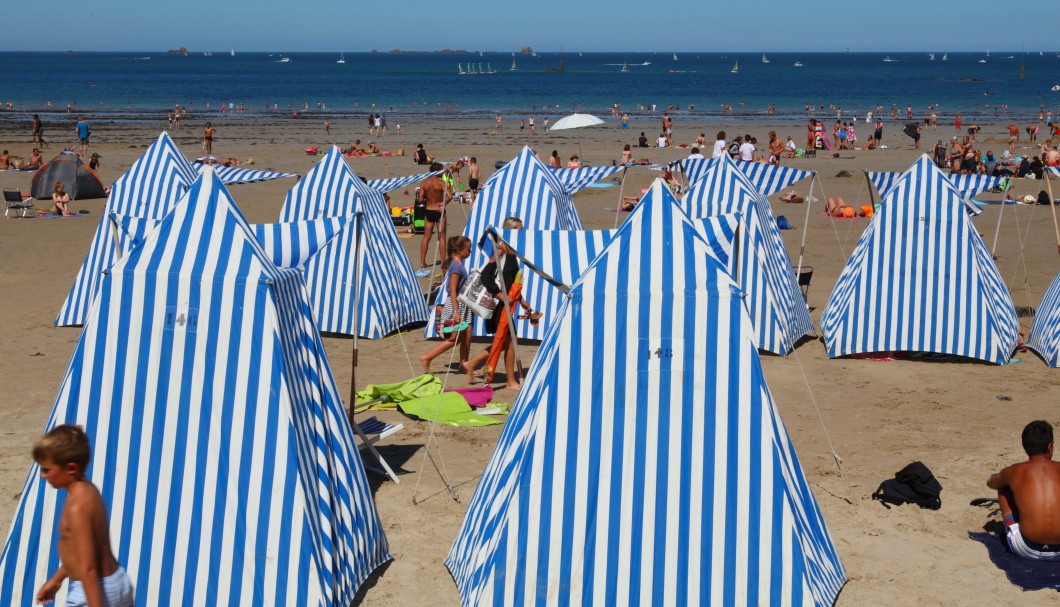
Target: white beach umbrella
(576,121)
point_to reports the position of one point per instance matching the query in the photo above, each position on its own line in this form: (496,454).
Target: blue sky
(614,25)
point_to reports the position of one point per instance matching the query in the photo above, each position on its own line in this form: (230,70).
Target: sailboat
(945,56)
(342,58)
(735,67)
(460,69)
(931,56)
(233,52)
(764,58)
(625,66)
(513,68)
(675,56)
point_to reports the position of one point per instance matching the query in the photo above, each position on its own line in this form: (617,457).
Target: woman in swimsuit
(60,200)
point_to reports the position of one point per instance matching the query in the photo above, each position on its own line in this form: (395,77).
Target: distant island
(444,51)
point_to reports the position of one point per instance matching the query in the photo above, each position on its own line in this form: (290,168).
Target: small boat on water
(284,60)
(513,68)
(1056,87)
(888,59)
(931,56)
(675,56)
(945,56)
(764,58)
(798,64)
(735,67)
(233,52)
(342,58)
(625,66)
(460,69)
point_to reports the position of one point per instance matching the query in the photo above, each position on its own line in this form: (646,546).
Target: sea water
(132,86)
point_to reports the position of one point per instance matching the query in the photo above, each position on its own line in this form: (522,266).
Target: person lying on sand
(837,207)
(1029,497)
(792,196)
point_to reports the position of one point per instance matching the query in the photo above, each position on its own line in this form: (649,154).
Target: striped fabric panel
(396,183)
(968,185)
(921,280)
(612,482)
(576,180)
(288,245)
(778,311)
(769,179)
(219,441)
(525,188)
(149,189)
(1044,337)
(391,297)
(236,175)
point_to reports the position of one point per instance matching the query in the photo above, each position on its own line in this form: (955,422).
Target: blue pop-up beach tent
(219,442)
(921,280)
(644,462)
(1044,337)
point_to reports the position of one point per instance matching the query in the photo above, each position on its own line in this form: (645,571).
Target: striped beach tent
(528,189)
(968,185)
(767,178)
(612,483)
(576,180)
(921,280)
(219,441)
(237,175)
(1044,337)
(763,268)
(379,281)
(396,183)
(288,245)
(149,189)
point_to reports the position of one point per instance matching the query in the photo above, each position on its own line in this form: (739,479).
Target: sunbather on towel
(60,200)
(1029,497)
(837,207)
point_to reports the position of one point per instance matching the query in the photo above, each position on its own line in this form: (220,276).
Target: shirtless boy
(472,178)
(85,555)
(435,195)
(1029,496)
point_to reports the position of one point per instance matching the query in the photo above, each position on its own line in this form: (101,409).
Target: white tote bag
(475,296)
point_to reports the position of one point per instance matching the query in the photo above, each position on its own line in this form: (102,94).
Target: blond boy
(96,579)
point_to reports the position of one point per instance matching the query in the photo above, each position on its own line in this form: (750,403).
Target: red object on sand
(501,337)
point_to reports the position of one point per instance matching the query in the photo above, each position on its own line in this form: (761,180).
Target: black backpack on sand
(914,484)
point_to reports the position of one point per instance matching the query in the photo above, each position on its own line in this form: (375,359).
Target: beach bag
(784,224)
(474,295)
(914,484)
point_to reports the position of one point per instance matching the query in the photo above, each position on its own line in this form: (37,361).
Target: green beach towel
(424,385)
(451,409)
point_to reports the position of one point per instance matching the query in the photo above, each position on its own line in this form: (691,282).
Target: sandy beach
(961,419)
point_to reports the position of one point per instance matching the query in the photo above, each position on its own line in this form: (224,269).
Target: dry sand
(962,420)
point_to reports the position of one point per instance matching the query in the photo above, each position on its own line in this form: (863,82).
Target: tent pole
(1052,206)
(1001,213)
(805,227)
(356,314)
(114,235)
(621,191)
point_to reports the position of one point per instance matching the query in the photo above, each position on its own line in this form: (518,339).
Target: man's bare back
(84,536)
(1035,486)
(433,193)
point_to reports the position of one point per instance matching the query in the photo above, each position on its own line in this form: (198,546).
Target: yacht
(342,58)
(945,56)
(284,60)
(233,52)
(675,56)
(931,56)
(798,64)
(735,67)
(764,58)
(888,59)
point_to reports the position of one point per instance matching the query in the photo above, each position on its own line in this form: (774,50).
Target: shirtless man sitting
(1029,497)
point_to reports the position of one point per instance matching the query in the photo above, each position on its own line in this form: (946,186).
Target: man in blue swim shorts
(1029,496)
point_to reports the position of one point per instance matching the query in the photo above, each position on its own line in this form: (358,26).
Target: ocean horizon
(138,86)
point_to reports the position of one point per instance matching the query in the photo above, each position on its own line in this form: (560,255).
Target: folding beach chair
(373,430)
(15,202)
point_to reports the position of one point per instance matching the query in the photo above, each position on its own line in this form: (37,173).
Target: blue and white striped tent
(921,280)
(576,180)
(1044,337)
(380,280)
(613,484)
(768,179)
(220,443)
(528,189)
(396,183)
(565,254)
(149,189)
(778,311)
(968,185)
(289,245)
(237,175)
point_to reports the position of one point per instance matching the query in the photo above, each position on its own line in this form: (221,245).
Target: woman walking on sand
(452,316)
